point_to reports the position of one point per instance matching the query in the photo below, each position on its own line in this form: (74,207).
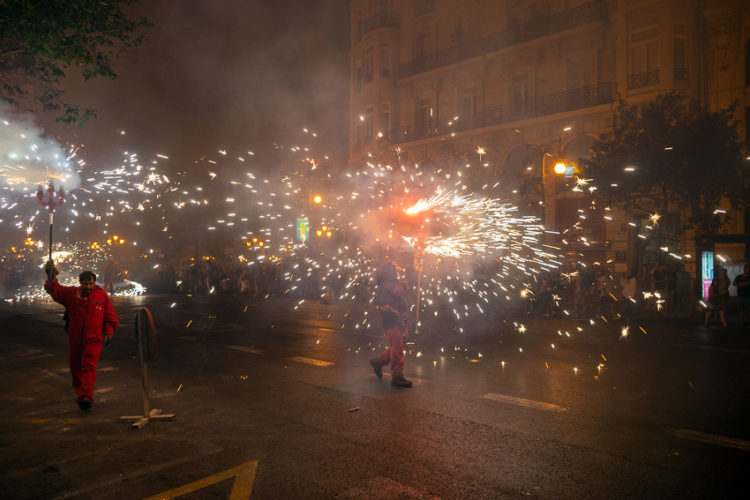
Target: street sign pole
(146,334)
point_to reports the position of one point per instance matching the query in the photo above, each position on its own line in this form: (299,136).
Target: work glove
(107,338)
(51,270)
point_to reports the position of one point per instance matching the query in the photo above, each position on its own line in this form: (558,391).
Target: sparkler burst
(467,253)
(474,247)
(484,226)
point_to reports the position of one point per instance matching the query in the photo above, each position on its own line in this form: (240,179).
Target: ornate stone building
(534,82)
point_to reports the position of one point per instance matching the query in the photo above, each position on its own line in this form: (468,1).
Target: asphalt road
(277,400)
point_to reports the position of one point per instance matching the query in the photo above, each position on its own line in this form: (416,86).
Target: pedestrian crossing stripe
(310,361)
(65,420)
(243,348)
(528,403)
(244,476)
(716,439)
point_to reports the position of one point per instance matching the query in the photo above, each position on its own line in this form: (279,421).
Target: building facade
(534,83)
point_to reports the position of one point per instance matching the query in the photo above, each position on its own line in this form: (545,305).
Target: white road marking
(243,348)
(310,361)
(528,403)
(717,439)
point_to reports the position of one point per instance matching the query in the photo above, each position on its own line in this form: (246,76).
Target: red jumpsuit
(89,319)
(392,294)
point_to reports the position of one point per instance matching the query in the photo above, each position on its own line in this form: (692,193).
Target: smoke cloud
(28,158)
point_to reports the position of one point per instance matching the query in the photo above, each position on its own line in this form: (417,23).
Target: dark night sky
(222,74)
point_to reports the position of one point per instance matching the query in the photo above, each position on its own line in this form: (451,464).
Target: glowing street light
(317,199)
(560,168)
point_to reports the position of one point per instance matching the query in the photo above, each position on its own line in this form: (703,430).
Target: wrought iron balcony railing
(681,74)
(640,80)
(451,55)
(382,19)
(559,102)
(549,24)
(379,20)
(422,7)
(543,26)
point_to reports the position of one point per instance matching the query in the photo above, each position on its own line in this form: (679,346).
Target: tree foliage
(40,40)
(671,153)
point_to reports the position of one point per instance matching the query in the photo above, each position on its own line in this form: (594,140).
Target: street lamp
(549,191)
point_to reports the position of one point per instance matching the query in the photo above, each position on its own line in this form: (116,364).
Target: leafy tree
(671,152)
(41,39)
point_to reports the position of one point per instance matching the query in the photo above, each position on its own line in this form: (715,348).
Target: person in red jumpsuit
(389,297)
(92,320)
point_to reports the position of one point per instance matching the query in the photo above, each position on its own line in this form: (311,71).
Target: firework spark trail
(485,226)
(261,209)
(490,253)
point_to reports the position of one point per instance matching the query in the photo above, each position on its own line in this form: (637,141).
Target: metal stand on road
(146,335)
(419,247)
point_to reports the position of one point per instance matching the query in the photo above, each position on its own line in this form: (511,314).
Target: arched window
(521,177)
(576,150)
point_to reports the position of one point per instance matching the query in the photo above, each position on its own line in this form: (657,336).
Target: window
(747,63)
(385,61)
(357,137)
(680,53)
(423,117)
(644,58)
(358,78)
(422,45)
(358,29)
(519,96)
(385,119)
(644,51)
(579,72)
(368,125)
(367,65)
(468,107)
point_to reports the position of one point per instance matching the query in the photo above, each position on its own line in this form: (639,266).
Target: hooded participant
(389,297)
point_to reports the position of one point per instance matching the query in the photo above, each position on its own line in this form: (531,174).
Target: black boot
(376,368)
(400,382)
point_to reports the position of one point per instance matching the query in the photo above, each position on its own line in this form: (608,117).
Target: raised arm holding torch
(51,204)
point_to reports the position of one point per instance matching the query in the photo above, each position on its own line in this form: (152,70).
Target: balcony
(559,102)
(548,25)
(681,74)
(379,20)
(451,55)
(640,80)
(543,26)
(423,7)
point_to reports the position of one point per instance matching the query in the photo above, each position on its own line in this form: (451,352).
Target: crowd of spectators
(575,291)
(290,277)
